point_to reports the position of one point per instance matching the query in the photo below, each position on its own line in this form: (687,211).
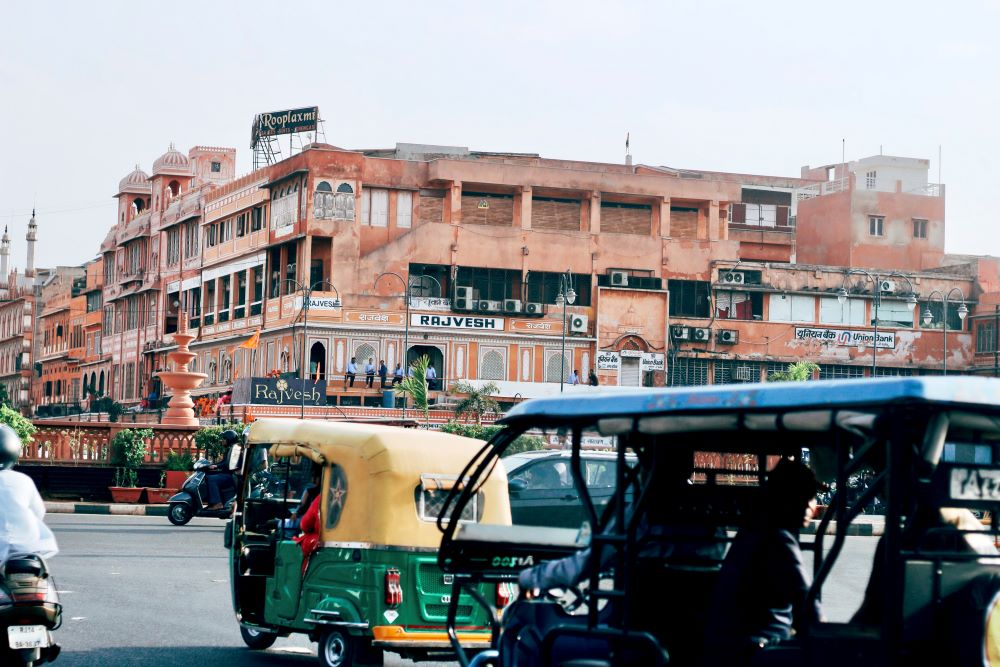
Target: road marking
(78,618)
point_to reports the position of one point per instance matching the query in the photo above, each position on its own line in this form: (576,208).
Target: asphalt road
(140,592)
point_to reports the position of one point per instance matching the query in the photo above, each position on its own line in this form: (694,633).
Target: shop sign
(273,123)
(320,302)
(536,326)
(847,337)
(430,303)
(651,361)
(608,361)
(457,322)
(281,391)
(373,317)
(634,354)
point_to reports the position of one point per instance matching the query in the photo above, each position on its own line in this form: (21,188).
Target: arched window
(323,186)
(59,331)
(345,187)
(173,189)
(363,353)
(227,370)
(284,360)
(100,384)
(317,361)
(212,372)
(491,367)
(554,366)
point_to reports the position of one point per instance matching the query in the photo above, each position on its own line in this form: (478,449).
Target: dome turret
(137,182)
(173,162)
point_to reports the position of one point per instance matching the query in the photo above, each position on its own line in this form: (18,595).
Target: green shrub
(129,448)
(208,439)
(175,461)
(525,443)
(21,424)
(126,477)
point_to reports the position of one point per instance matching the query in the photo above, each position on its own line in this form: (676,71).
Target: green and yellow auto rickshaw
(373,582)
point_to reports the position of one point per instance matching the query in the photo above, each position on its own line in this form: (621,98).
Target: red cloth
(308,539)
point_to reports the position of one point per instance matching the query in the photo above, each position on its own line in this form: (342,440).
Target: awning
(284,177)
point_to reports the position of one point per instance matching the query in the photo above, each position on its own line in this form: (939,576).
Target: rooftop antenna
(628,154)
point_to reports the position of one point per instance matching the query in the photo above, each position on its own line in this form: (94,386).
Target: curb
(866,529)
(54,507)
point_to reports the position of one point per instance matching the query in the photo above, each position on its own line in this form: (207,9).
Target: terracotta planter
(175,478)
(126,494)
(159,496)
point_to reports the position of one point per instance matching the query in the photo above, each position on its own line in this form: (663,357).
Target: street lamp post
(406,317)
(876,280)
(307,290)
(567,295)
(963,310)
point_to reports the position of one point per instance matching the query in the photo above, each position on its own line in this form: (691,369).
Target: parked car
(542,491)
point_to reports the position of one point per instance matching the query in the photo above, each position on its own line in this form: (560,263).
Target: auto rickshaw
(929,448)
(373,583)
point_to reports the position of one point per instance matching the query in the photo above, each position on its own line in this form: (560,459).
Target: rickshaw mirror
(517,485)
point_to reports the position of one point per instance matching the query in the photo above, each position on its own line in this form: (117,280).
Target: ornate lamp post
(306,290)
(876,281)
(928,317)
(567,295)
(407,288)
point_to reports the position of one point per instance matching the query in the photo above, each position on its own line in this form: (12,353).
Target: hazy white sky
(89,89)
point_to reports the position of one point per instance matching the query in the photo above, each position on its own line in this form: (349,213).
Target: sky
(90,89)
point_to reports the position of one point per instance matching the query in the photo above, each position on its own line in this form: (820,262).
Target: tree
(800,371)
(4,397)
(415,386)
(21,424)
(477,402)
(209,440)
(524,443)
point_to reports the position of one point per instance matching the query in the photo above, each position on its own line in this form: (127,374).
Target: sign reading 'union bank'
(847,337)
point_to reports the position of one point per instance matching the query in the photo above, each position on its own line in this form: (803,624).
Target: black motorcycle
(192,499)
(29,612)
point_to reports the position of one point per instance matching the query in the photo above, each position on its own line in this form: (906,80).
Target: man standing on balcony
(352,371)
(383,373)
(369,373)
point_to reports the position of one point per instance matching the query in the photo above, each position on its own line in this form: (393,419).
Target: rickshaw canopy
(381,477)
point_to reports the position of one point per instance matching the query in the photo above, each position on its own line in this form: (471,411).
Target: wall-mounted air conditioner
(533,308)
(487,306)
(733,277)
(886,286)
(512,305)
(618,278)
(463,299)
(680,332)
(701,334)
(729,336)
(578,323)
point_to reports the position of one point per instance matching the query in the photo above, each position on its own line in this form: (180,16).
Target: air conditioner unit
(733,277)
(463,298)
(886,286)
(729,336)
(490,306)
(512,305)
(680,332)
(533,308)
(700,334)
(619,278)
(578,323)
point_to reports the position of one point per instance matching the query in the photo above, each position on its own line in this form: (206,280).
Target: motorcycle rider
(218,476)
(22,529)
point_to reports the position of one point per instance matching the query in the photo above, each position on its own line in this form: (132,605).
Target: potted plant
(176,469)
(128,451)
(160,494)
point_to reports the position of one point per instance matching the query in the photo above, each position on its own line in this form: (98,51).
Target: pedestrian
(383,373)
(592,378)
(431,377)
(369,373)
(574,377)
(760,597)
(352,371)
(397,375)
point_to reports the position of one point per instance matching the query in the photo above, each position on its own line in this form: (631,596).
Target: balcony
(769,217)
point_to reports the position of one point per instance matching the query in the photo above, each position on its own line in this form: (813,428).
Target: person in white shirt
(431,377)
(369,373)
(22,512)
(574,377)
(352,371)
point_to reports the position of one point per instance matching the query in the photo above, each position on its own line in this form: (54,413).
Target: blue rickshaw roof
(775,396)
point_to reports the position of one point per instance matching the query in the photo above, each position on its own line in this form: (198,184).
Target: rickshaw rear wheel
(257,640)
(336,648)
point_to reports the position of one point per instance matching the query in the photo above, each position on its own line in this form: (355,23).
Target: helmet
(10,447)
(229,436)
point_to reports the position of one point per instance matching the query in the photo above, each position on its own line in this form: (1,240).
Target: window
(380,208)
(173,246)
(93,301)
(937,308)
(834,372)
(258,290)
(242,224)
(919,228)
(543,287)
(831,311)
(894,314)
(688,298)
(735,372)
(241,295)
(224,292)
(731,305)
(489,284)
(404,209)
(684,372)
(871,180)
(209,289)
(210,235)
(225,231)
(986,337)
(875,225)
(190,240)
(491,365)
(216,167)
(257,218)
(791,308)
(433,491)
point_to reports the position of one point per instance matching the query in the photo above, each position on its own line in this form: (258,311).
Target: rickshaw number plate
(449,579)
(974,483)
(445,599)
(27,636)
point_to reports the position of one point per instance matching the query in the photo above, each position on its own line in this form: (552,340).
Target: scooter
(29,612)
(192,499)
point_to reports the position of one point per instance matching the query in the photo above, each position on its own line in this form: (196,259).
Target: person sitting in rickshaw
(308,539)
(760,597)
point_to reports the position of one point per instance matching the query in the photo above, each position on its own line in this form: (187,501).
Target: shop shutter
(630,375)
(555,215)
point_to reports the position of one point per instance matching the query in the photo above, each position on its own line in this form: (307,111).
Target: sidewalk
(865,524)
(68,507)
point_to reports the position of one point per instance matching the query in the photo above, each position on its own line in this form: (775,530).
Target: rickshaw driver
(761,593)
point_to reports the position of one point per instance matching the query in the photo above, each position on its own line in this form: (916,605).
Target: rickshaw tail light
(503,594)
(393,589)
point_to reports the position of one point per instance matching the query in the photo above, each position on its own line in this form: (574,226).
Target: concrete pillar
(29,271)
(595,212)
(453,204)
(665,217)
(526,207)
(305,259)
(714,232)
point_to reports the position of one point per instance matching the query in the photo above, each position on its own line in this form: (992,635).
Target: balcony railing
(825,188)
(761,215)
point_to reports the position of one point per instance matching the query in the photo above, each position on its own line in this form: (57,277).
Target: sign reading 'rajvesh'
(848,337)
(457,322)
(279,391)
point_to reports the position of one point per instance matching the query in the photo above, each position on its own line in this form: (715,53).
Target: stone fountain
(180,409)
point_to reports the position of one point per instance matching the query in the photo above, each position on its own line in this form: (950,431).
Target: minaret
(29,270)
(4,258)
